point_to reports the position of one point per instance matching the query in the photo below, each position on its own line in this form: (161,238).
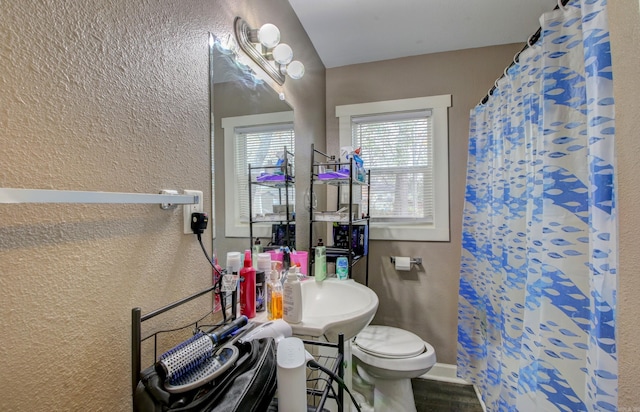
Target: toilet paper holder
(413,261)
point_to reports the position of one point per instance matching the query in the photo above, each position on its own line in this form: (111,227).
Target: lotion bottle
(292,304)
(320,264)
(248,287)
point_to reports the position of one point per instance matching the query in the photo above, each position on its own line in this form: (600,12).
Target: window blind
(260,146)
(397,148)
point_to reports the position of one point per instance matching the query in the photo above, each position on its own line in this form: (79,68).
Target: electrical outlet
(189,209)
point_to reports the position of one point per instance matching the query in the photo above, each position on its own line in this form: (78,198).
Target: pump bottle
(274,296)
(320,264)
(257,249)
(248,287)
(292,304)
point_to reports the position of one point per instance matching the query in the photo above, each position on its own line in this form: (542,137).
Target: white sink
(335,306)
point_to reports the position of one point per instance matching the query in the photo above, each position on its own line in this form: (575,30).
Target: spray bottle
(248,287)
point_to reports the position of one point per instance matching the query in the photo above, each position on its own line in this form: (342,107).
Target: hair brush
(198,359)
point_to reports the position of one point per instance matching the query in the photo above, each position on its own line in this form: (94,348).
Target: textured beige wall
(624,23)
(107,96)
(422,301)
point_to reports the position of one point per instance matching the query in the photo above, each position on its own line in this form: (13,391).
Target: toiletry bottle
(257,248)
(274,295)
(233,267)
(248,287)
(320,265)
(342,268)
(216,274)
(286,258)
(261,291)
(292,303)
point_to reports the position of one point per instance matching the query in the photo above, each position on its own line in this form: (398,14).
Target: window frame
(438,230)
(234,227)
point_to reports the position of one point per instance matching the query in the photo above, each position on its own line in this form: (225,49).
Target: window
(255,140)
(405,146)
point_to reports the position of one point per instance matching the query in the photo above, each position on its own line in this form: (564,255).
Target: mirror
(235,90)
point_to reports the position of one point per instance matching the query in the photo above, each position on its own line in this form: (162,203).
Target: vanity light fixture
(264,47)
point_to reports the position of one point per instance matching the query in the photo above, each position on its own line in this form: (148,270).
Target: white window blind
(259,146)
(405,145)
(397,148)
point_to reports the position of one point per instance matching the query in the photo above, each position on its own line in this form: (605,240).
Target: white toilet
(388,358)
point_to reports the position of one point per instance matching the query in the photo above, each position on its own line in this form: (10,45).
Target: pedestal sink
(335,306)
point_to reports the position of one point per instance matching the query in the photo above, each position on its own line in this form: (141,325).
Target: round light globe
(283,53)
(269,35)
(295,70)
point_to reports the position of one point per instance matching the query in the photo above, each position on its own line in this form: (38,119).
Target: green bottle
(320,265)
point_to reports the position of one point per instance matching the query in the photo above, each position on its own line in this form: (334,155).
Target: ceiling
(348,32)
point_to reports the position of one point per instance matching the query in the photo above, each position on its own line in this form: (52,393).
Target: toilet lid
(389,342)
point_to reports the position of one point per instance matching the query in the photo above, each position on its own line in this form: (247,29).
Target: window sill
(400,232)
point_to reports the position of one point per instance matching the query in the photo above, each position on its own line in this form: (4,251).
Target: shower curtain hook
(529,41)
(515,58)
(505,72)
(561,6)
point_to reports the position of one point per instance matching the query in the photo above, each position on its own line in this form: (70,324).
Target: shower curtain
(537,305)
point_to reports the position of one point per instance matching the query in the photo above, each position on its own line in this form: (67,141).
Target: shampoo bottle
(320,265)
(292,304)
(248,287)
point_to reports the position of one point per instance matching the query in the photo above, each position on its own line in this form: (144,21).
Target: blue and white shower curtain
(538,283)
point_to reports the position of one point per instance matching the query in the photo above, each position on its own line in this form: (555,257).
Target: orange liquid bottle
(276,300)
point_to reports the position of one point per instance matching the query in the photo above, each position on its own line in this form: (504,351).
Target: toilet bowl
(388,358)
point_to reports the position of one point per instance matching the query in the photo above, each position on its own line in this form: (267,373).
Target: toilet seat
(375,347)
(389,342)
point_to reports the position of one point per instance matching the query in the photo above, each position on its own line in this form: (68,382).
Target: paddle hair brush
(179,365)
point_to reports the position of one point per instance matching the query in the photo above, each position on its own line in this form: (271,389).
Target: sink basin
(335,306)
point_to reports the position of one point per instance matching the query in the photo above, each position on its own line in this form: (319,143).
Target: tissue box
(359,241)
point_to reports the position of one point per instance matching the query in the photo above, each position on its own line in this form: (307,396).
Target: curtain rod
(533,39)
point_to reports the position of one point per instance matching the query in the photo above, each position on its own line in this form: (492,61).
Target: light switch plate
(193,208)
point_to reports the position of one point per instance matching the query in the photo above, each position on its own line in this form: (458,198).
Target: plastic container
(248,288)
(215,278)
(261,291)
(257,249)
(320,264)
(234,262)
(300,259)
(292,299)
(264,262)
(274,296)
(291,375)
(276,256)
(342,268)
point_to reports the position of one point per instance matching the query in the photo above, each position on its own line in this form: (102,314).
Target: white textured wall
(106,96)
(624,23)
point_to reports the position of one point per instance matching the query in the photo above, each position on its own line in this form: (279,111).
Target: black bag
(248,386)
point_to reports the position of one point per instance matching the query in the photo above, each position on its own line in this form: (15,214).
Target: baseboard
(444,372)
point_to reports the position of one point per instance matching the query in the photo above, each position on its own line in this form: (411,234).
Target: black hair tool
(199,359)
